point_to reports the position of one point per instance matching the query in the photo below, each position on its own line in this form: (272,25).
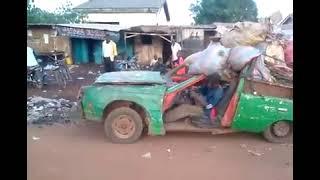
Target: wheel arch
(144,114)
(272,122)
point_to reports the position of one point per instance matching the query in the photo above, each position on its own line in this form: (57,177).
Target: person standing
(175,48)
(109,50)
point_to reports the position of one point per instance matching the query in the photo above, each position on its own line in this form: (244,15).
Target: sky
(179,9)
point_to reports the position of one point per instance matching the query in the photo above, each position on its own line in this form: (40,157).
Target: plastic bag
(240,56)
(275,50)
(211,60)
(245,34)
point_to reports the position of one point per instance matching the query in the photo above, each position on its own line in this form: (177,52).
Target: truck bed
(268,89)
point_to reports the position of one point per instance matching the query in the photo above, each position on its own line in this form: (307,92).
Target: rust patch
(265,89)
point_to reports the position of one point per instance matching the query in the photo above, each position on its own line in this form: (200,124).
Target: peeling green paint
(146,96)
(255,113)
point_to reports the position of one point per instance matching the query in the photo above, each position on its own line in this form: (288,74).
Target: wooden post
(125,41)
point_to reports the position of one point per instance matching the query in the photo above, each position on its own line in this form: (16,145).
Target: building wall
(146,52)
(44,40)
(130,19)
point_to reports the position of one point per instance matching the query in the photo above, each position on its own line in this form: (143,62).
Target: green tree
(64,14)
(209,11)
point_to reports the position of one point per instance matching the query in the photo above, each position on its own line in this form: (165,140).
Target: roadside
(82,152)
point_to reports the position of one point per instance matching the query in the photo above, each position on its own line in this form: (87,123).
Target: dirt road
(80,152)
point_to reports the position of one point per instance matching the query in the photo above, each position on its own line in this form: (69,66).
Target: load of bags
(245,34)
(216,59)
(247,42)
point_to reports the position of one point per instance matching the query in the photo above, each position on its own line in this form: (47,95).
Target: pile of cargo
(270,51)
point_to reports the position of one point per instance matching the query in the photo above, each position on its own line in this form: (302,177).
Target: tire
(270,135)
(60,78)
(67,73)
(115,116)
(38,77)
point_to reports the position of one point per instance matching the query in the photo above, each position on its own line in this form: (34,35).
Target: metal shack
(194,38)
(43,39)
(86,40)
(146,41)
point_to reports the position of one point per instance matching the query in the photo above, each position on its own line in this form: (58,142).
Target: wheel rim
(123,126)
(281,129)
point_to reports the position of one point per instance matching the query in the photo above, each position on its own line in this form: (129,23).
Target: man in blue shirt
(208,96)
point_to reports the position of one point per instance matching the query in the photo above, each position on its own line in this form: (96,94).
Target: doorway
(86,51)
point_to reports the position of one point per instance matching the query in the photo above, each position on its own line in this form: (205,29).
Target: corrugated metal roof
(106,27)
(39,25)
(209,26)
(104,4)
(166,29)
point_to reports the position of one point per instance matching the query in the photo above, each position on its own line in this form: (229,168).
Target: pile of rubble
(48,111)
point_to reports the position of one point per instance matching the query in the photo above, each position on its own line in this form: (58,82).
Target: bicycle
(62,65)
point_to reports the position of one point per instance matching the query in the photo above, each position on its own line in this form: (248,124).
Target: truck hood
(131,77)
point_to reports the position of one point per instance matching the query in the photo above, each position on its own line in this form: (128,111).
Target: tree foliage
(63,14)
(209,11)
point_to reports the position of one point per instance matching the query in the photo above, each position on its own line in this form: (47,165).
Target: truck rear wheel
(279,132)
(123,125)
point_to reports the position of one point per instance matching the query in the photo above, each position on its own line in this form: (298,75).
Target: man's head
(107,38)
(173,41)
(155,57)
(214,80)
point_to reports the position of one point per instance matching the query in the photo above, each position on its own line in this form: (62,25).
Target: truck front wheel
(279,132)
(123,125)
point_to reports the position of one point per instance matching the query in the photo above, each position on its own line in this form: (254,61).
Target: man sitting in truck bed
(208,96)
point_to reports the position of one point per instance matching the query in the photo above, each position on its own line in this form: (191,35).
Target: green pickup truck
(127,103)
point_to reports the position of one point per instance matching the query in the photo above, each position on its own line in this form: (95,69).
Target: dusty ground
(81,152)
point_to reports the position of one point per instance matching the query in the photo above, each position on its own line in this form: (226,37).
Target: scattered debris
(147,155)
(243,145)
(90,72)
(35,138)
(251,151)
(80,78)
(48,111)
(269,148)
(210,148)
(72,67)
(254,153)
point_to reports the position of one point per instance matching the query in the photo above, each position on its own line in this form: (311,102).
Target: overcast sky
(179,9)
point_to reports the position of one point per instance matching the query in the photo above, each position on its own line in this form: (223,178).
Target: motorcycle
(126,65)
(35,76)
